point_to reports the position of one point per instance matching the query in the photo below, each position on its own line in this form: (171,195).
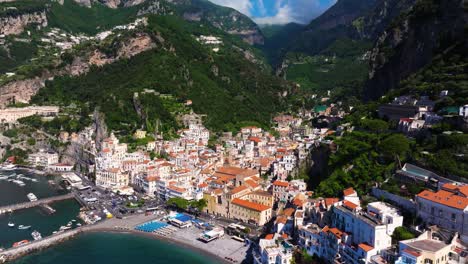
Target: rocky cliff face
(23,90)
(428,29)
(14,25)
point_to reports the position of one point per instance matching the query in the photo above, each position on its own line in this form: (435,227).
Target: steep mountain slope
(276,40)
(224,85)
(431,27)
(331,53)
(228,81)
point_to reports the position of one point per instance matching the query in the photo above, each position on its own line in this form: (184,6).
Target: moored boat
(20,243)
(32,197)
(23,227)
(10,224)
(36,235)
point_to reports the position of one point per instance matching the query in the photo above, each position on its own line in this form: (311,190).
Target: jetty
(128,224)
(25,205)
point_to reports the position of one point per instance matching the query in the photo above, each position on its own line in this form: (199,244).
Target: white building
(447,208)
(273,251)
(464,111)
(12,114)
(43,158)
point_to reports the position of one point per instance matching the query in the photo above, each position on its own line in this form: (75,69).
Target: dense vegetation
(224,85)
(20,7)
(76,18)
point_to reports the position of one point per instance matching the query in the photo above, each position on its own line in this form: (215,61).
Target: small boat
(74,220)
(23,227)
(55,232)
(69,223)
(20,243)
(32,197)
(10,224)
(78,225)
(8,167)
(36,235)
(63,228)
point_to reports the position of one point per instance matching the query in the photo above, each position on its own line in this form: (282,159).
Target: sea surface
(115,248)
(38,219)
(11,193)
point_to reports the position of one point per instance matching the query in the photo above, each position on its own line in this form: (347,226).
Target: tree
(199,205)
(178,202)
(401,233)
(394,146)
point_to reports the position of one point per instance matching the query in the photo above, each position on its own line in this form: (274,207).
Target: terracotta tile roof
(288,211)
(338,233)
(176,189)
(285,236)
(454,188)
(445,198)
(281,219)
(349,191)
(350,205)
(251,183)
(331,201)
(365,247)
(218,191)
(269,236)
(250,205)
(239,189)
(281,183)
(202,185)
(255,139)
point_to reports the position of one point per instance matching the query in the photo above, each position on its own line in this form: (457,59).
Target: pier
(25,205)
(108,225)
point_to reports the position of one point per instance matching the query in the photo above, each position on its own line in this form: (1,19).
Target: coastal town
(248,191)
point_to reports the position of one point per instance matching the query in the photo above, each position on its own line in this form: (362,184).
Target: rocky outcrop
(86,3)
(111,3)
(416,38)
(14,25)
(251,36)
(23,90)
(20,91)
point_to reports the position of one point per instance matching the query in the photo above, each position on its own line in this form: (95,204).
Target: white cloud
(243,6)
(285,11)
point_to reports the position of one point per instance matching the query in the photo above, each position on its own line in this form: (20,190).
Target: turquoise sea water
(115,248)
(11,193)
(38,219)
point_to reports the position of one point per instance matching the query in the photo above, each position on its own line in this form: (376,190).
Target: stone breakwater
(36,203)
(106,225)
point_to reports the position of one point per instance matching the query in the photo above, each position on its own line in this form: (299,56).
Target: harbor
(37,219)
(224,249)
(16,184)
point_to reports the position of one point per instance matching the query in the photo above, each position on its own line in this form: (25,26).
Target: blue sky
(279,11)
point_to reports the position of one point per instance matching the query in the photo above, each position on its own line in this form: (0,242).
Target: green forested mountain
(224,85)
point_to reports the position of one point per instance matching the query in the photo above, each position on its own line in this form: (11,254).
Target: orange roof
(349,191)
(331,201)
(269,236)
(281,183)
(461,189)
(350,205)
(250,205)
(298,202)
(285,236)
(239,189)
(445,198)
(218,191)
(251,183)
(338,233)
(177,189)
(202,185)
(255,139)
(288,211)
(281,219)
(365,247)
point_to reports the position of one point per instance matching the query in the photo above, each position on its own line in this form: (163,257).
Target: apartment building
(447,208)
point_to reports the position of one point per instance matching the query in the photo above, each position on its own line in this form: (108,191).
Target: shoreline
(170,240)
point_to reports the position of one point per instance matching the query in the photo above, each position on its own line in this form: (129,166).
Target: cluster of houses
(344,230)
(213,41)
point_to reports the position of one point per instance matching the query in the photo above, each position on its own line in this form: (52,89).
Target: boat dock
(48,208)
(129,223)
(25,205)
